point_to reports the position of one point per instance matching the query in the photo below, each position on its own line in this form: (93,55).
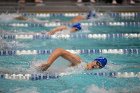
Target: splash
(101,17)
(85,29)
(8,17)
(112,67)
(95,89)
(35,20)
(18,69)
(60,67)
(18,44)
(4,44)
(64,32)
(27,90)
(67,91)
(34,67)
(9,45)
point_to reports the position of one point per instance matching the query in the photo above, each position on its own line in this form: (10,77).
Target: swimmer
(22,18)
(65,30)
(91,14)
(36,1)
(57,31)
(99,62)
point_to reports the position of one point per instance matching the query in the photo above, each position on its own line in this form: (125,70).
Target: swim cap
(78,26)
(102,61)
(91,14)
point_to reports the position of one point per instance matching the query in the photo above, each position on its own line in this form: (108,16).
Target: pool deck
(66,6)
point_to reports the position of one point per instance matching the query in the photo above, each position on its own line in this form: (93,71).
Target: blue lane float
(7,52)
(48,76)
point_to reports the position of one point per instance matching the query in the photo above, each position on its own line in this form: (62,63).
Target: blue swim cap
(101,60)
(78,26)
(91,14)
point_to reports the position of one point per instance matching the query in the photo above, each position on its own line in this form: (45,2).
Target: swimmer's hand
(21,18)
(43,67)
(51,33)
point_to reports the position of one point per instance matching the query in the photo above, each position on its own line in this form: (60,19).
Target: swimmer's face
(93,65)
(74,29)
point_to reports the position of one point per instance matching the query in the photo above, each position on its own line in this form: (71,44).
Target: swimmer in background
(22,18)
(99,62)
(17,16)
(92,16)
(65,30)
(89,15)
(56,31)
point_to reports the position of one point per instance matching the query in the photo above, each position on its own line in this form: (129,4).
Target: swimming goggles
(97,64)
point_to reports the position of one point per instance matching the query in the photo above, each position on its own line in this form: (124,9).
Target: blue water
(75,83)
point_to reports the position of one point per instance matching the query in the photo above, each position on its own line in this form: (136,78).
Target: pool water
(76,82)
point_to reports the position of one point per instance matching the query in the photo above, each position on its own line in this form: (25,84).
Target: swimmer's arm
(10,71)
(21,18)
(58,29)
(59,52)
(77,19)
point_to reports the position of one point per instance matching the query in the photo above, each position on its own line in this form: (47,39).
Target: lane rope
(55,76)
(67,36)
(112,14)
(55,24)
(78,51)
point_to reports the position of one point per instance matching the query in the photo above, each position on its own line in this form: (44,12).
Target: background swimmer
(35,20)
(92,16)
(65,30)
(89,15)
(99,62)
(57,31)
(17,16)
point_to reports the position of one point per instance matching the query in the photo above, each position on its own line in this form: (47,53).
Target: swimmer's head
(102,61)
(77,26)
(91,14)
(99,62)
